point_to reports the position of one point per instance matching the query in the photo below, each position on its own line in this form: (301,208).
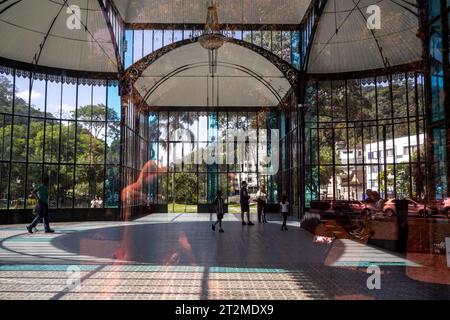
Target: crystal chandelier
(212,39)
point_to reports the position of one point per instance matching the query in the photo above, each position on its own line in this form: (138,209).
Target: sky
(86,95)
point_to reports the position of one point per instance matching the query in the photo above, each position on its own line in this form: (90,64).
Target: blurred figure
(261,199)
(220,211)
(134,190)
(245,206)
(97,202)
(284,206)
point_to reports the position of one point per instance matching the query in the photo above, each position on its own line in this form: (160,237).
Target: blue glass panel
(114,102)
(440,166)
(128,55)
(212,126)
(148,42)
(138,42)
(282,125)
(112,186)
(437,93)
(153,151)
(212,182)
(295,49)
(434,8)
(153,132)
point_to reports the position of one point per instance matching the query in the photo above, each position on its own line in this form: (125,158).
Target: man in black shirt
(244,200)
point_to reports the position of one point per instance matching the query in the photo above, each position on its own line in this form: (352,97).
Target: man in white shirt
(284,205)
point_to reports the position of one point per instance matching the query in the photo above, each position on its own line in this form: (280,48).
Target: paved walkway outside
(177,256)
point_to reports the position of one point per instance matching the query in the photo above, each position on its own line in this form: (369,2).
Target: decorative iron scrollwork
(135,71)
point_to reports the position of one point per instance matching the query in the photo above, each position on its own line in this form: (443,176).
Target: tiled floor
(177,256)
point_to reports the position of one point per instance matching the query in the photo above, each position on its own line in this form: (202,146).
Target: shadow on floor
(249,253)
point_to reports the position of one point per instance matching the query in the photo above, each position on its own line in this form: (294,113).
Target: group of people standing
(97,202)
(40,193)
(244,200)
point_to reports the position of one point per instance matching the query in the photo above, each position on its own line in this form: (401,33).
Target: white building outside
(355,184)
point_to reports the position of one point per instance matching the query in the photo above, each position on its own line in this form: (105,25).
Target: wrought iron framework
(297,120)
(40,137)
(133,73)
(134,128)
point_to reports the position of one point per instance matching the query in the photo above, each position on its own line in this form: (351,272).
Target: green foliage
(365,105)
(277,42)
(404,173)
(185,187)
(53,141)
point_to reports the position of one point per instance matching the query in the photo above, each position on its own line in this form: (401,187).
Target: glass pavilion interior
(93,94)
(139,111)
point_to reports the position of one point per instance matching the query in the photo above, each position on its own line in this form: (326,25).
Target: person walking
(244,201)
(220,211)
(284,205)
(41,194)
(261,199)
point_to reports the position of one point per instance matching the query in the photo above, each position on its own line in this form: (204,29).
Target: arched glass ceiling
(356,48)
(182,78)
(230,11)
(24,26)
(35,31)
